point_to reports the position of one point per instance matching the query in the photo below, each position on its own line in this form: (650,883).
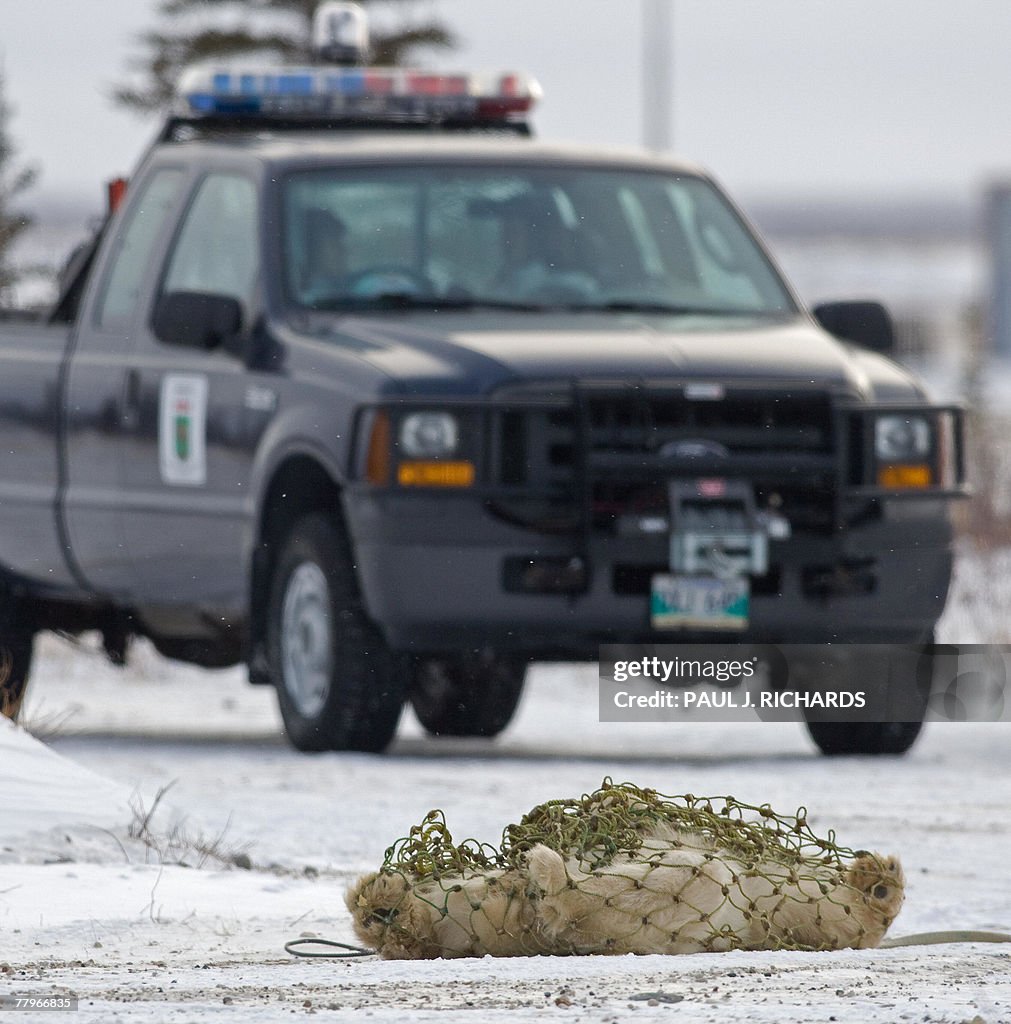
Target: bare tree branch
(14,180)
(397,47)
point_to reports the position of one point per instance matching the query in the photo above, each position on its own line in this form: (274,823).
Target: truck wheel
(336,679)
(840,738)
(16,641)
(467,696)
(834,738)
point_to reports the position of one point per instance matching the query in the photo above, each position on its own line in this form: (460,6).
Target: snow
(160,842)
(42,790)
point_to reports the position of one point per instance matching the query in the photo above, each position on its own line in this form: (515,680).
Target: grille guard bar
(848,469)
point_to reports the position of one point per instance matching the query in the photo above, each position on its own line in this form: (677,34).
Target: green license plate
(699,602)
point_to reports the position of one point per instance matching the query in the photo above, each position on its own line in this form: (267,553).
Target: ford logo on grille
(693,450)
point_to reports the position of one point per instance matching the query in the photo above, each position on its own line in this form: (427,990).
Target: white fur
(682,895)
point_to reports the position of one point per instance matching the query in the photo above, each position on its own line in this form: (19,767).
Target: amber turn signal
(904,477)
(423,473)
(377,461)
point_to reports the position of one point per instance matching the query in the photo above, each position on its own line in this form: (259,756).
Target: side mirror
(867,324)
(196,319)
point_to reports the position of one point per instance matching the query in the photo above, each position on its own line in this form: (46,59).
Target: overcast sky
(779,97)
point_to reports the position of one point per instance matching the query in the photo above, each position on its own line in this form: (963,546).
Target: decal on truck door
(182,429)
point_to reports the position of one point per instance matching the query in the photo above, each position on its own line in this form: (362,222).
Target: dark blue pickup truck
(364,387)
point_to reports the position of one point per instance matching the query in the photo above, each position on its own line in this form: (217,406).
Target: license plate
(699,602)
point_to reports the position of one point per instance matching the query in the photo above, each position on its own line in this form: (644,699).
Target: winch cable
(938,938)
(348,951)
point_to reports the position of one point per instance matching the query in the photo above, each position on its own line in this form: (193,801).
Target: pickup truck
(363,386)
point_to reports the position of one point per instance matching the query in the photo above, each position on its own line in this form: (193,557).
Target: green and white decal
(182,429)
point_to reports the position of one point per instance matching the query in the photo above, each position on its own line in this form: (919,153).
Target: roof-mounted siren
(340,34)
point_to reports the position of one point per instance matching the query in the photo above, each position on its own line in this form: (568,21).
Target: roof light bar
(360,94)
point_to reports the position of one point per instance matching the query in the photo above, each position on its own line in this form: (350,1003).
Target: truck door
(94,387)
(191,440)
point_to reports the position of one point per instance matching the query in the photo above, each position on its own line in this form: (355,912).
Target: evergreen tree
(208,30)
(14,179)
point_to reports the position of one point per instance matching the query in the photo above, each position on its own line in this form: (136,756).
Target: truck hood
(467,353)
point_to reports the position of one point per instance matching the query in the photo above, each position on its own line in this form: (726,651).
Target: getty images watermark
(787,682)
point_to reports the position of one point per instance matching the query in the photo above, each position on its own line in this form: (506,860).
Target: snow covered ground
(163,842)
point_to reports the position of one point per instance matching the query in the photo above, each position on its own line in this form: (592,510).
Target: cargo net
(626,870)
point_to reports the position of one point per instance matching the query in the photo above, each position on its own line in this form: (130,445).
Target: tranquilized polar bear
(678,892)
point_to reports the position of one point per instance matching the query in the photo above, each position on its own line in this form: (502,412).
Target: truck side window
(217,248)
(119,301)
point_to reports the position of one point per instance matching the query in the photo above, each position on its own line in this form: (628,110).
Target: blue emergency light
(359,94)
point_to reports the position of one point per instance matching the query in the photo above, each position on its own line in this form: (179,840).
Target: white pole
(657,74)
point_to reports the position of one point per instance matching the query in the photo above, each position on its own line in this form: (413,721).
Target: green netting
(627,870)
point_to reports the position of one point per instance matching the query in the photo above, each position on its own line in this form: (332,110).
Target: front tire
(336,680)
(903,687)
(469,695)
(840,738)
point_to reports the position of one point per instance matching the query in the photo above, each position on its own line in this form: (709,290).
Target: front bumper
(433,570)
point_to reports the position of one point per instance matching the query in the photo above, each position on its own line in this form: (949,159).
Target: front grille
(595,454)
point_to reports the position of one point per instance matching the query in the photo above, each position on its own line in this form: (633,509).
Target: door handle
(130,418)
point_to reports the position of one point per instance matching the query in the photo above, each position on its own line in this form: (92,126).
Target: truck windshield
(523,238)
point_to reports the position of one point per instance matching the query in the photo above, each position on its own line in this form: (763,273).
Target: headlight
(429,435)
(901,438)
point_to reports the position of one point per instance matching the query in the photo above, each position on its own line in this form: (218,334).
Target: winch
(719,541)
(716,529)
